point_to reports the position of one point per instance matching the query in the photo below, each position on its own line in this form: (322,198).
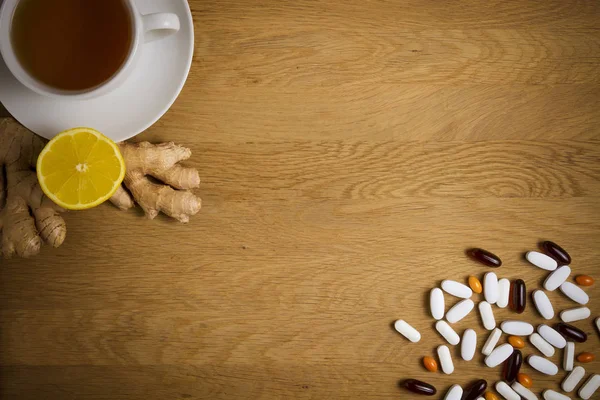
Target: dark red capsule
(556,252)
(485,257)
(420,387)
(475,390)
(517,300)
(570,332)
(512,366)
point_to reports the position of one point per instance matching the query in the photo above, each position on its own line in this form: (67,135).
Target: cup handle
(159,25)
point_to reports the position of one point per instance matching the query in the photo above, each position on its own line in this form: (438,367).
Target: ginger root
(27,217)
(159,161)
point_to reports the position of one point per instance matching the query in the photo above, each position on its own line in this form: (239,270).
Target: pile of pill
(546,339)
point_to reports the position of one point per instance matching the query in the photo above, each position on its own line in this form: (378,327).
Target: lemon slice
(80,168)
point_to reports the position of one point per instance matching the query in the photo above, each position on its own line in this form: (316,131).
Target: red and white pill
(459,310)
(542,365)
(503,292)
(456,289)
(569,356)
(543,304)
(406,330)
(491,342)
(468,344)
(523,391)
(447,332)
(499,355)
(445,359)
(506,391)
(487,315)
(551,336)
(490,287)
(544,347)
(541,260)
(557,278)
(436,303)
(575,314)
(589,387)
(454,393)
(575,293)
(517,328)
(552,395)
(573,379)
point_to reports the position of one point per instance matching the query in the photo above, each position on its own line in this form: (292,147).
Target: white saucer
(148,93)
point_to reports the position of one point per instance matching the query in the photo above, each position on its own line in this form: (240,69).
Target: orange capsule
(430,364)
(490,396)
(585,357)
(584,280)
(516,342)
(475,284)
(524,380)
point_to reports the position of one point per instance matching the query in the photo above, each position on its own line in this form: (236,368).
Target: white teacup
(145,28)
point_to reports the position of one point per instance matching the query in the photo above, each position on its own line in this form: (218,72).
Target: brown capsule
(420,387)
(585,357)
(556,252)
(490,396)
(475,390)
(430,364)
(524,380)
(516,342)
(584,280)
(485,257)
(512,366)
(475,284)
(571,332)
(517,300)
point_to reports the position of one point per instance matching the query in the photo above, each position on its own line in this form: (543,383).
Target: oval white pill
(575,293)
(468,344)
(503,292)
(459,310)
(499,355)
(517,328)
(447,332)
(552,336)
(506,391)
(544,347)
(456,289)
(573,379)
(445,359)
(575,314)
(598,324)
(490,287)
(569,356)
(556,278)
(552,395)
(454,393)
(407,331)
(491,342)
(436,303)
(487,315)
(543,304)
(523,391)
(542,365)
(589,387)
(541,260)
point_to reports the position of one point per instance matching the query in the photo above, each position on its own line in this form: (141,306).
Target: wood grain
(350,152)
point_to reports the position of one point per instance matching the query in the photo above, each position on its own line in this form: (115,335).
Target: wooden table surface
(350,152)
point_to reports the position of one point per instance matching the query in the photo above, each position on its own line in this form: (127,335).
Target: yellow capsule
(524,380)
(430,364)
(475,284)
(490,396)
(516,342)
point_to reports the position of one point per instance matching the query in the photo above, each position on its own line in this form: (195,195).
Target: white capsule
(456,289)
(445,359)
(543,305)
(491,342)
(436,303)
(544,347)
(569,356)
(556,278)
(499,355)
(468,344)
(542,365)
(523,391)
(407,331)
(598,324)
(460,310)
(490,287)
(506,391)
(552,395)
(503,292)
(575,293)
(589,387)
(454,393)
(573,379)
(487,315)
(541,260)
(552,336)
(447,332)
(575,314)
(517,328)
